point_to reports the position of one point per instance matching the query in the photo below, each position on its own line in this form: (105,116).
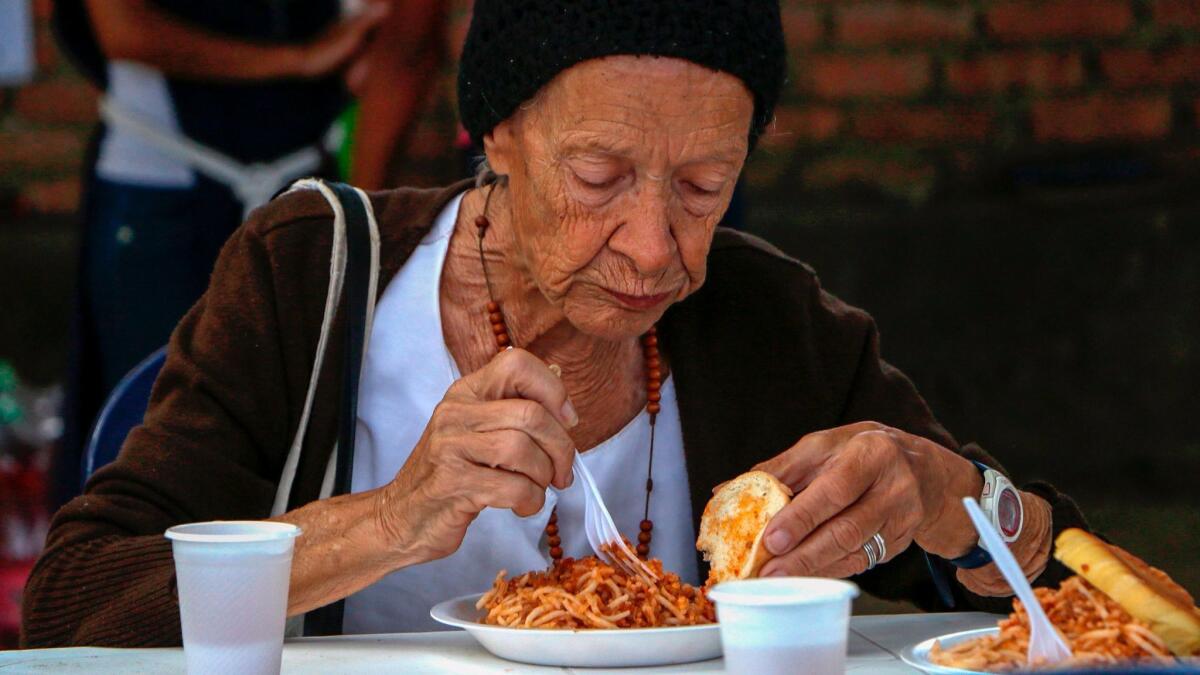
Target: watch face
(1008,513)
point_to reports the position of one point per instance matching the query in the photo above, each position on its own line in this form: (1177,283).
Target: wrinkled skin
(617,173)
(620,187)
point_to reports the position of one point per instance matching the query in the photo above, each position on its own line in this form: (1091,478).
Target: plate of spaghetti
(1098,631)
(1116,611)
(584,613)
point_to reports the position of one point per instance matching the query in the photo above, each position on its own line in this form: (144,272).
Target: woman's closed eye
(700,190)
(598,182)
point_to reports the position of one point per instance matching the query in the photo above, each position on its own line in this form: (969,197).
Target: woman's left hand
(863,478)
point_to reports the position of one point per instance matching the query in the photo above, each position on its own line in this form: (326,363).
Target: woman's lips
(639,301)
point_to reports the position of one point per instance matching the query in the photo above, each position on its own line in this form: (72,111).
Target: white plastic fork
(1046,646)
(602,533)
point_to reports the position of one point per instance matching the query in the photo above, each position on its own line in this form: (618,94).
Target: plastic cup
(784,624)
(233,589)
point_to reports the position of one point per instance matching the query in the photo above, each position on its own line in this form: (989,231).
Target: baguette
(1145,592)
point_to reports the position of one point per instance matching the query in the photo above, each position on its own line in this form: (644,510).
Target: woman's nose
(645,234)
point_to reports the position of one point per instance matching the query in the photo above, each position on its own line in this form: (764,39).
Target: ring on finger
(872,557)
(875,549)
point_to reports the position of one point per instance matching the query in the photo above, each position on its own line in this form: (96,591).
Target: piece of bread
(731,528)
(1145,592)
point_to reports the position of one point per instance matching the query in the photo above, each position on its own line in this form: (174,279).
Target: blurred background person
(397,74)
(208,109)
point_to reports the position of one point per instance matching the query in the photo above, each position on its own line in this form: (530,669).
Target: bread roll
(732,526)
(1143,591)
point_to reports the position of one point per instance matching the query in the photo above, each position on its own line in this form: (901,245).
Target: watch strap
(977,557)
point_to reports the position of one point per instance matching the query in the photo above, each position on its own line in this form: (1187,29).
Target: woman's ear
(499,145)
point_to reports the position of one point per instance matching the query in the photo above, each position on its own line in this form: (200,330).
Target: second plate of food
(918,655)
(583,648)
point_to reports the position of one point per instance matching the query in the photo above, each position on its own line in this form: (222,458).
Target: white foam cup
(233,590)
(784,624)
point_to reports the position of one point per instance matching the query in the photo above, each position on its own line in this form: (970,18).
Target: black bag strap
(327,620)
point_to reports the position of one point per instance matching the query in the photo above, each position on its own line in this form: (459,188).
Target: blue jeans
(147,257)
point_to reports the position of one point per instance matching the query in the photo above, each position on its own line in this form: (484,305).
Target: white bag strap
(253,184)
(337,273)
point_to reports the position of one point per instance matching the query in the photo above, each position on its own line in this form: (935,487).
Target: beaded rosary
(653,395)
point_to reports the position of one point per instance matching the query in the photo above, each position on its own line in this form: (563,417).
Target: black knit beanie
(514,47)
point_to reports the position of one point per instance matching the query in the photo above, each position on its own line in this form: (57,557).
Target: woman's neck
(602,377)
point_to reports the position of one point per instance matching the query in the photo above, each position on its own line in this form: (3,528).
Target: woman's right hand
(497,439)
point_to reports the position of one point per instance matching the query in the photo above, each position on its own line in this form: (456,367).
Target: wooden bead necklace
(653,361)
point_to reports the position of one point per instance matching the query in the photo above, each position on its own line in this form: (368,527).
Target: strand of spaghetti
(618,600)
(549,617)
(1098,606)
(1148,635)
(1138,639)
(1099,634)
(669,606)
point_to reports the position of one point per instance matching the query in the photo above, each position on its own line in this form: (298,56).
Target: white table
(875,642)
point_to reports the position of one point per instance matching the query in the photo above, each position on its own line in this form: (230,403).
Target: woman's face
(619,171)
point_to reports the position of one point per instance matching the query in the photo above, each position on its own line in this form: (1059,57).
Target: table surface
(875,642)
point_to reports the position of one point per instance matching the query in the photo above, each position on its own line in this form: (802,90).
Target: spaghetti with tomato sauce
(587,593)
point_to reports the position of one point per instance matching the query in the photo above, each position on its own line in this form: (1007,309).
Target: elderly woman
(614,133)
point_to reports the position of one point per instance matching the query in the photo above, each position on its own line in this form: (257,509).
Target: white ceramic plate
(592,648)
(917,655)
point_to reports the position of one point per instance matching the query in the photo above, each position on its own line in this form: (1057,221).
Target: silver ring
(876,550)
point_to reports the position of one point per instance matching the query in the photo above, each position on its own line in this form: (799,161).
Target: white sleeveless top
(407,370)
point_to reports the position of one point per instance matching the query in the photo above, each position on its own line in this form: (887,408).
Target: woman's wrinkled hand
(854,481)
(497,439)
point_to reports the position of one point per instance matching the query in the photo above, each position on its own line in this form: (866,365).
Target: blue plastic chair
(124,410)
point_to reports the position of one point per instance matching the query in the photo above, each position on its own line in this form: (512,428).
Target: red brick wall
(911,97)
(907,97)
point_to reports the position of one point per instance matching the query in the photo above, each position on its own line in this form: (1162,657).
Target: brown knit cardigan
(760,354)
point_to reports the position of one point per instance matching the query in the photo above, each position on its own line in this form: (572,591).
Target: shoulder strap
(358,278)
(354,268)
(327,620)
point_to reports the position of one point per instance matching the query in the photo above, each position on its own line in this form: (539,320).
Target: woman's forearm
(342,549)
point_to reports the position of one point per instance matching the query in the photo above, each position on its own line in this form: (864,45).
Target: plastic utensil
(1046,646)
(602,533)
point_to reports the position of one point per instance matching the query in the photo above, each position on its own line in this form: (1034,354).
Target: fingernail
(570,478)
(569,414)
(778,542)
(776,572)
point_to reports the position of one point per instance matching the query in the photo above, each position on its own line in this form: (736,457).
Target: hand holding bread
(855,481)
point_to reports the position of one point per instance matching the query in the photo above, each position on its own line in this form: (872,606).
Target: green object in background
(10,410)
(343,150)
(8,377)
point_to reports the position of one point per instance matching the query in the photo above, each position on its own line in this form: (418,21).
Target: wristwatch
(1002,504)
